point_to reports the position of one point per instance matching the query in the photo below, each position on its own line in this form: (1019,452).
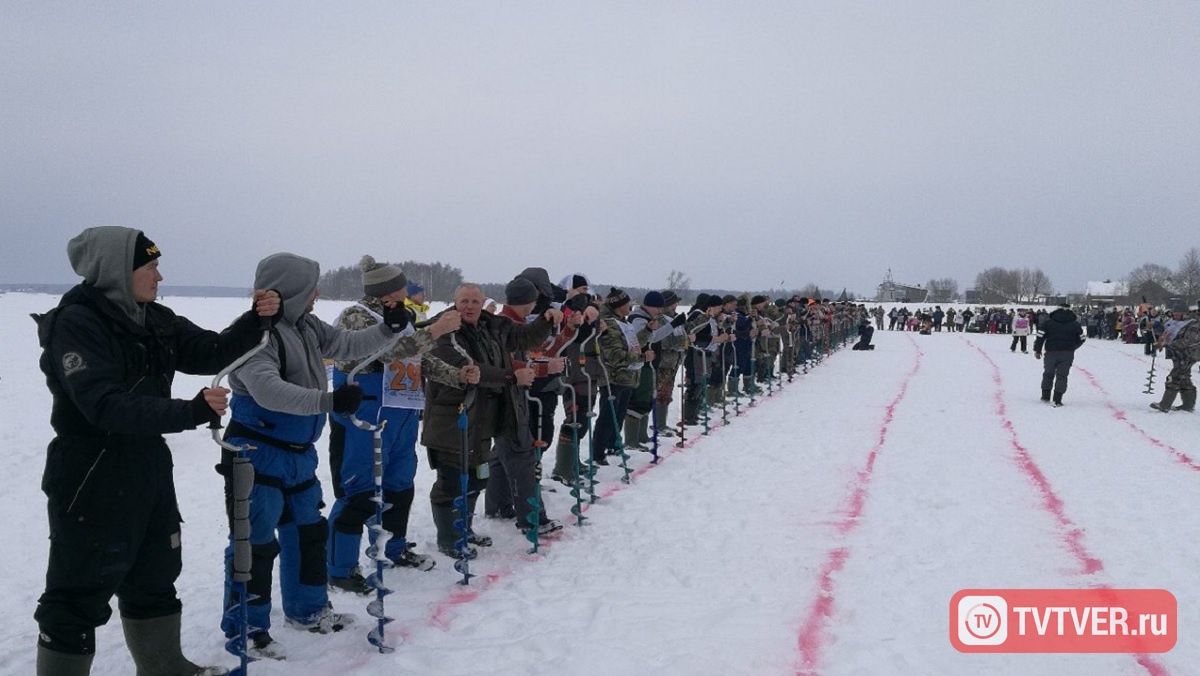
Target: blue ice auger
(379,536)
(463,502)
(242,480)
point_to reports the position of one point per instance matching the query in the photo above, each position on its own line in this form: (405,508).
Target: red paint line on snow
(1072,535)
(440,615)
(1121,416)
(811,638)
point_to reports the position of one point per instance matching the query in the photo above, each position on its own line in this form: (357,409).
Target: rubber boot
(644,431)
(632,434)
(154,644)
(566,463)
(1168,399)
(54,663)
(447,535)
(690,412)
(714,396)
(660,419)
(1189,401)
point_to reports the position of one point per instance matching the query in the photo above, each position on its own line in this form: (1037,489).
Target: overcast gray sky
(746,143)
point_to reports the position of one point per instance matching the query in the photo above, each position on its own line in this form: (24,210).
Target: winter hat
(380,279)
(144,250)
(520,291)
(540,279)
(616,298)
(573,281)
(728,298)
(414,288)
(714,301)
(654,299)
(758,299)
(701,301)
(669,298)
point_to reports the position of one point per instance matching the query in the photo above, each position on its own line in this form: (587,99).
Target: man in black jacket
(109,354)
(1059,334)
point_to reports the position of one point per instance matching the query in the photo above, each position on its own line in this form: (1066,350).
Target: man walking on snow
(1060,334)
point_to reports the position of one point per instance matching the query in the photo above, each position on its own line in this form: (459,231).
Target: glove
(346,398)
(202,413)
(577,303)
(679,320)
(396,317)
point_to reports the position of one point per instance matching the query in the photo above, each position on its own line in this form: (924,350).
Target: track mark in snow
(1120,415)
(811,637)
(1072,534)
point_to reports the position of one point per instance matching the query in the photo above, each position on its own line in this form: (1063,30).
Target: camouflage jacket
(368,312)
(616,355)
(1183,342)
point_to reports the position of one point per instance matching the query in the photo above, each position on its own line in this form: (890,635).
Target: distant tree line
(439,279)
(1182,281)
(1002,285)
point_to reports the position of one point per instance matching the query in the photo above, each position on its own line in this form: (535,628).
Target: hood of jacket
(294,277)
(1062,315)
(103,256)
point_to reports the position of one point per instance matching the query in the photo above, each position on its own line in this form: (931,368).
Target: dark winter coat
(498,404)
(109,364)
(1060,331)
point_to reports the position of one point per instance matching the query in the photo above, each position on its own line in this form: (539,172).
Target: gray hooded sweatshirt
(306,342)
(103,256)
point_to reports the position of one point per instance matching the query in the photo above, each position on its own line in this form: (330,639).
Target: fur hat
(380,279)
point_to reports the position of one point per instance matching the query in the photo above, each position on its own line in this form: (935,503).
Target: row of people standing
(111,351)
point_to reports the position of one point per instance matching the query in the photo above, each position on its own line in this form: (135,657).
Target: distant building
(1104,293)
(891,291)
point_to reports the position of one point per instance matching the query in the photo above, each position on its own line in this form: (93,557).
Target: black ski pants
(114,530)
(610,417)
(1056,368)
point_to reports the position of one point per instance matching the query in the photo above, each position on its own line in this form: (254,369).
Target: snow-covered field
(823,531)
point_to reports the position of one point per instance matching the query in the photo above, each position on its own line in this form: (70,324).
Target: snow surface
(824,531)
